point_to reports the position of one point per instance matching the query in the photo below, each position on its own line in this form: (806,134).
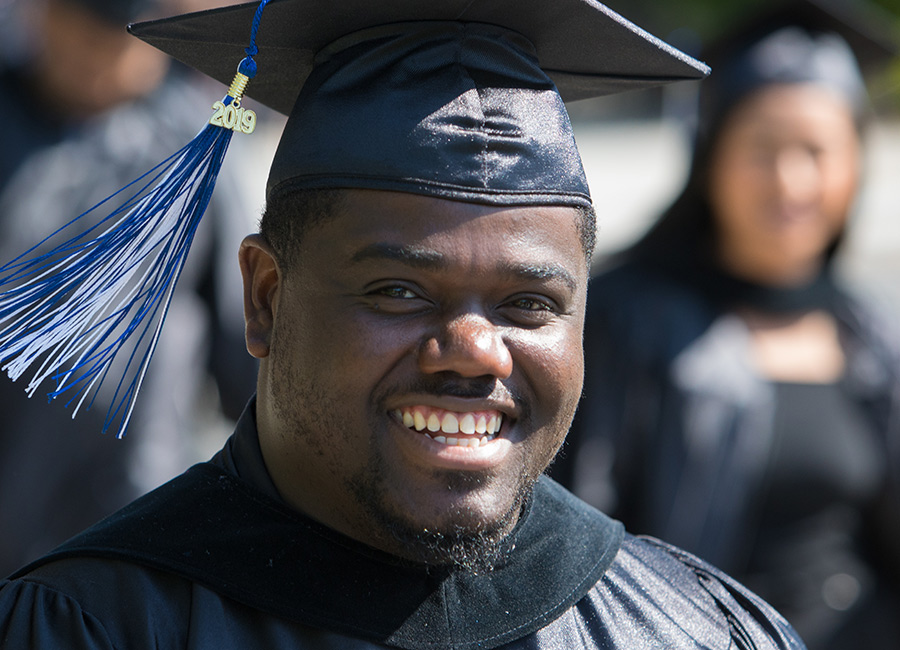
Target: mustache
(465,387)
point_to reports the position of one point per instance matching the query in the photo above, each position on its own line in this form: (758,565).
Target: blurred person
(89,108)
(739,400)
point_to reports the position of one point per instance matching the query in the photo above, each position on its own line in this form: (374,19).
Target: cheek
(734,189)
(840,185)
(345,349)
(553,366)
(555,374)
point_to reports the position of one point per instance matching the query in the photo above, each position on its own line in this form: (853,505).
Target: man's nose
(469,345)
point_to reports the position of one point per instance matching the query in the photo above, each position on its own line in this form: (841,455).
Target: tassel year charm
(232,115)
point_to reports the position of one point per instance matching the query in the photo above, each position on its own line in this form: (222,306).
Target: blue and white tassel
(102,296)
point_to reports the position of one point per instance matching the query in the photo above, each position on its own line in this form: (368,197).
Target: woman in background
(739,402)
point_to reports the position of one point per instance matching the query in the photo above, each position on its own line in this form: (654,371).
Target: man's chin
(475,552)
(461,538)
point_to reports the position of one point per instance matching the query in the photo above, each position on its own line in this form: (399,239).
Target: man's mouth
(462,429)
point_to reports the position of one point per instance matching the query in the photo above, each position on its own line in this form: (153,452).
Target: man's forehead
(428,233)
(387,215)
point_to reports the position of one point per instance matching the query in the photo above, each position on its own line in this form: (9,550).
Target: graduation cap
(383,96)
(828,42)
(458,99)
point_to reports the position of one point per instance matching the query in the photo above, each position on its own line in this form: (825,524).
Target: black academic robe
(215,560)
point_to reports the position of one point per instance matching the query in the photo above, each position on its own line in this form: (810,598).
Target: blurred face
(783,175)
(420,366)
(87,65)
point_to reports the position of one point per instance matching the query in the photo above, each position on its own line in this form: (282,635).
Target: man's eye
(397,292)
(531,304)
(397,299)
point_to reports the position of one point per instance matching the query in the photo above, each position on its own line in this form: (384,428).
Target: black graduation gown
(214,560)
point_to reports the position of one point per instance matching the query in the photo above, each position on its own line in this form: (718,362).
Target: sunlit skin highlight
(403,306)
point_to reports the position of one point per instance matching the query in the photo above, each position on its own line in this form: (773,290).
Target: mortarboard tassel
(73,309)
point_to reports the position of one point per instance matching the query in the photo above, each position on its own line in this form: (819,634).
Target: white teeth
(453,423)
(450,423)
(463,442)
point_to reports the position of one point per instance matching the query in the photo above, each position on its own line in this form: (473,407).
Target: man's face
(421,363)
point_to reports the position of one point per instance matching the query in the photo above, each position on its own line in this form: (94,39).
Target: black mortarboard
(830,42)
(451,98)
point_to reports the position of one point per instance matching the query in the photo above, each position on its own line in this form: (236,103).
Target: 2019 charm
(233,116)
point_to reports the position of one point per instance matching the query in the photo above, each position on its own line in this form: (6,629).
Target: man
(415,297)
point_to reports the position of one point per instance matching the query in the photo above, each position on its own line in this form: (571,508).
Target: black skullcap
(458,110)
(450,98)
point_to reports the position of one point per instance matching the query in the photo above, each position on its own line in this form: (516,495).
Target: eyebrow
(420,258)
(545,272)
(423,258)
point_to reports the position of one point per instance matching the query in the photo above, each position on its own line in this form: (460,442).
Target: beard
(473,548)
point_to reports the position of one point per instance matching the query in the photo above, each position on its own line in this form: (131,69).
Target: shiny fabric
(652,597)
(563,546)
(454,110)
(649,595)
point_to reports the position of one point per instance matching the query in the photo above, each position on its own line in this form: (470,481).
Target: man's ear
(262,281)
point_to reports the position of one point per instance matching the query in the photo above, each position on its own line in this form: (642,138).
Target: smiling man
(416,297)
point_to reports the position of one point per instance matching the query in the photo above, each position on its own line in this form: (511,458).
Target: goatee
(476,550)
